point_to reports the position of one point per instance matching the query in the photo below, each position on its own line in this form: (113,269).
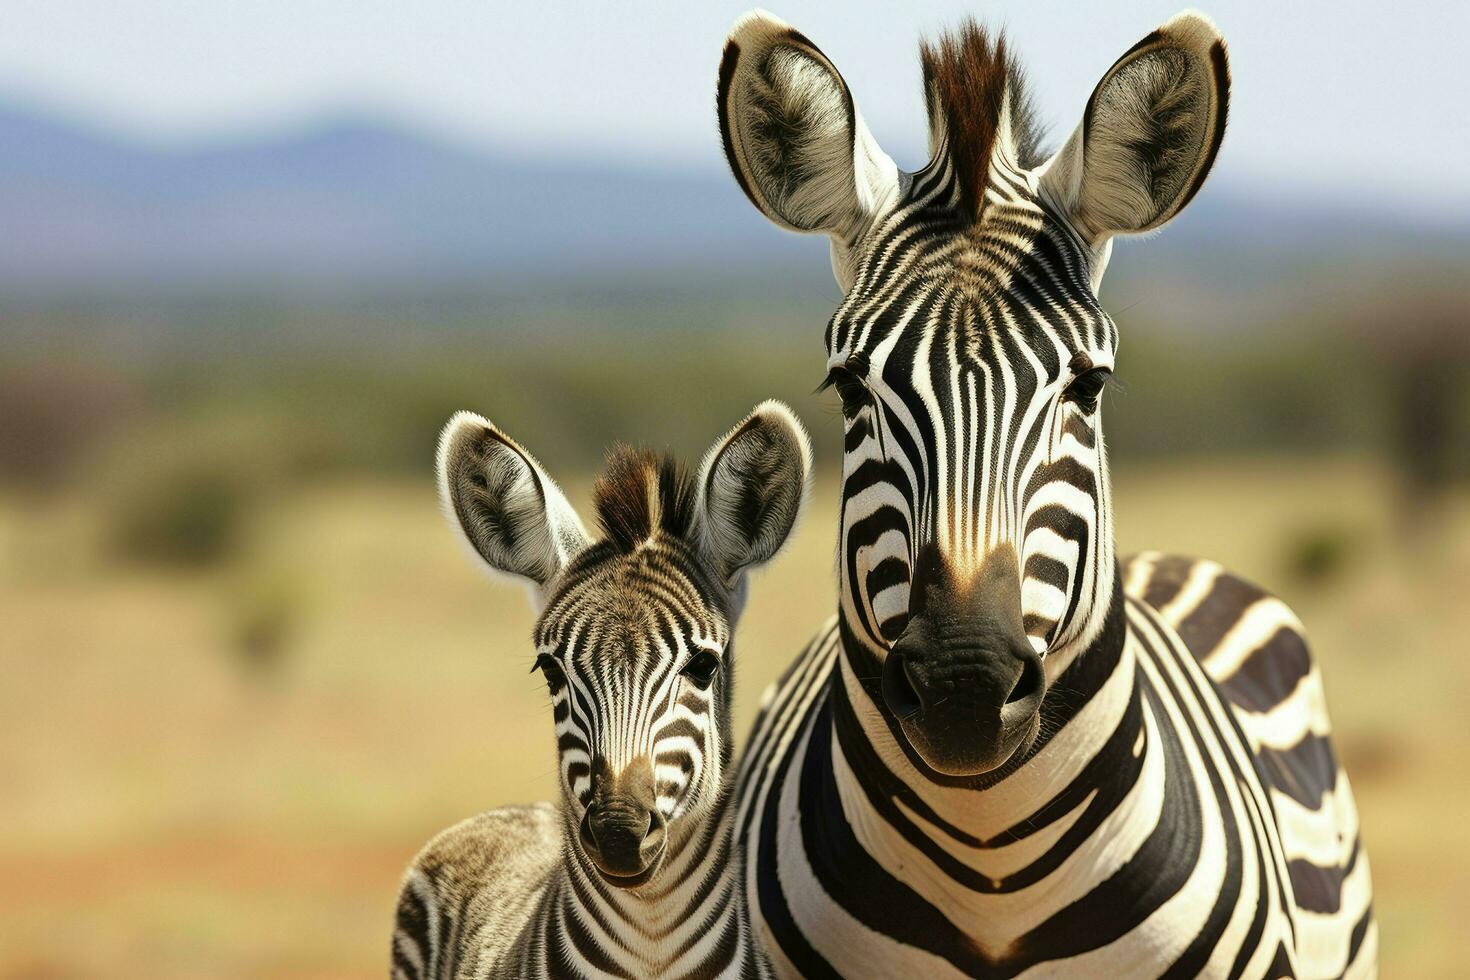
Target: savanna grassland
(221,771)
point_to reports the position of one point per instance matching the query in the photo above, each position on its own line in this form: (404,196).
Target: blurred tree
(184,491)
(1424,347)
(54,411)
(1318,554)
(188,513)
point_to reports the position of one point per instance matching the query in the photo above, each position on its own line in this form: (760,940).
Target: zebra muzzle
(622,831)
(963,680)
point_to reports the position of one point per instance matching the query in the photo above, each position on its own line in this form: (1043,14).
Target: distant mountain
(346,201)
(356,202)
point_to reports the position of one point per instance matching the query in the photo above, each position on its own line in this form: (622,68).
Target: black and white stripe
(1007,754)
(633,875)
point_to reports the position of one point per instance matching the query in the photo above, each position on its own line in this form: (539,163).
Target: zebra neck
(689,913)
(1090,722)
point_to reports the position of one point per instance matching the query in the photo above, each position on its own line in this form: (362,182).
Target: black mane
(967,76)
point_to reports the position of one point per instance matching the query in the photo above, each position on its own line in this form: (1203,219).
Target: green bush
(264,609)
(1319,554)
(185,495)
(186,515)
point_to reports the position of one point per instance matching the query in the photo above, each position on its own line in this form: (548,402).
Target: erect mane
(641,492)
(968,77)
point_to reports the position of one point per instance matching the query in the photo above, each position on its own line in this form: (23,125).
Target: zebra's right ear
(752,486)
(511,514)
(794,138)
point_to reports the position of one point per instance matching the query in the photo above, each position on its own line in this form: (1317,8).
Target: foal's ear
(794,138)
(1149,135)
(752,486)
(510,512)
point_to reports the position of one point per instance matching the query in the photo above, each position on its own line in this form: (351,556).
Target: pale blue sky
(1364,97)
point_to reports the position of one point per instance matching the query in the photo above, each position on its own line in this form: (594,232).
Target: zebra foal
(633,874)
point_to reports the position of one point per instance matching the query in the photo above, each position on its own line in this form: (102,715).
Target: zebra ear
(752,486)
(509,511)
(1149,135)
(795,141)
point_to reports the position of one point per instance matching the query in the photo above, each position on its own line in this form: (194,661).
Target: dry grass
(170,811)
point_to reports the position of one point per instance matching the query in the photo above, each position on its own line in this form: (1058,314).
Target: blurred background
(255,255)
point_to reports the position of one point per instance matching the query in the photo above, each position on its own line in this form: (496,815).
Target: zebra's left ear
(1149,135)
(752,486)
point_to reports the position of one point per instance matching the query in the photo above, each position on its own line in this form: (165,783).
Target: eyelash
(850,388)
(550,669)
(1085,389)
(702,669)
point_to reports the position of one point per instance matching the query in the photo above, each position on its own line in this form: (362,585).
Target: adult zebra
(631,875)
(1008,755)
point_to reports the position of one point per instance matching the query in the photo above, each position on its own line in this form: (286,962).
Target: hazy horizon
(1325,100)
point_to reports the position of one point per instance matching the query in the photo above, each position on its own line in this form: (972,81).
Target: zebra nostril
(655,827)
(898,687)
(1027,684)
(589,830)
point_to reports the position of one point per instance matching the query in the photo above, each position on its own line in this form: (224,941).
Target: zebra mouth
(899,690)
(634,880)
(951,749)
(951,719)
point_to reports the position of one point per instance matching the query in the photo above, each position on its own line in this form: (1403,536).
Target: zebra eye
(850,389)
(1086,387)
(551,670)
(701,669)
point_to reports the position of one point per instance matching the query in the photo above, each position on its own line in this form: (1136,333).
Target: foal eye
(701,669)
(1086,387)
(550,668)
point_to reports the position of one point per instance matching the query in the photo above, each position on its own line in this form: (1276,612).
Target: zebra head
(970,350)
(634,633)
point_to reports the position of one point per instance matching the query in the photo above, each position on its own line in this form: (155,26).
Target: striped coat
(1010,754)
(1202,823)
